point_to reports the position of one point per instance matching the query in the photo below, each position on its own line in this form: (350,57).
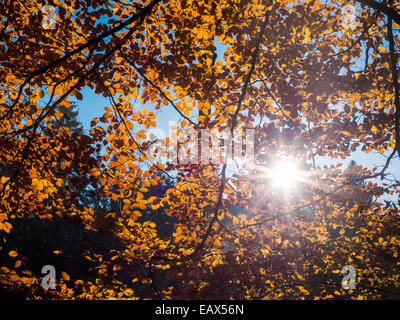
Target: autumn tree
(314,81)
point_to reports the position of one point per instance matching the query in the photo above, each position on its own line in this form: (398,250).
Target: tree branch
(390,12)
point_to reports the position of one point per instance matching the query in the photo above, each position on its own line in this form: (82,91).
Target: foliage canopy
(308,83)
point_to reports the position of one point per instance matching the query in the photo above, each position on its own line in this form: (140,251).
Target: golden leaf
(13,254)
(65,276)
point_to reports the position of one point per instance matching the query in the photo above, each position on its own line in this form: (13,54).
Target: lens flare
(285,175)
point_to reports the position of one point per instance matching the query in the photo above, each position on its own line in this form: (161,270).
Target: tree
(308,82)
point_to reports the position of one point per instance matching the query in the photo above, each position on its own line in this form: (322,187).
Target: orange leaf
(65,276)
(13,254)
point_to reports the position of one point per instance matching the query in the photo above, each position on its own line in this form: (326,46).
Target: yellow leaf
(128,292)
(307,34)
(5,226)
(13,254)
(65,276)
(201,118)
(215,263)
(217,242)
(393,143)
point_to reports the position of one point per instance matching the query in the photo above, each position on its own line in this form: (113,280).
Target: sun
(285,175)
